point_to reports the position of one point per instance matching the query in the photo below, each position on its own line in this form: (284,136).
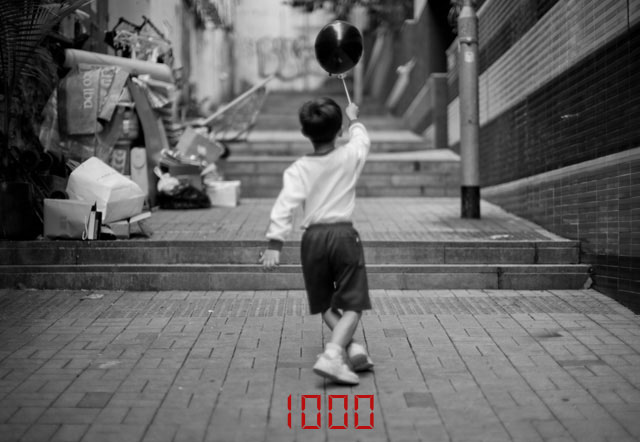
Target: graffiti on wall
(286,58)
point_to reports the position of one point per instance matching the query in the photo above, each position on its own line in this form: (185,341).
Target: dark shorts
(333,268)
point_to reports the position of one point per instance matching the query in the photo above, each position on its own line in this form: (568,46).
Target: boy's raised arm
(352,110)
(357,132)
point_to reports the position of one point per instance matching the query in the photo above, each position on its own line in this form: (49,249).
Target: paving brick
(112,415)
(39,432)
(95,400)
(69,433)
(13,432)
(26,415)
(522,431)
(106,433)
(59,415)
(541,376)
(30,399)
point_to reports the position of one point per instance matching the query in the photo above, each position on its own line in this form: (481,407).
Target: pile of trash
(188,177)
(102,204)
(114,120)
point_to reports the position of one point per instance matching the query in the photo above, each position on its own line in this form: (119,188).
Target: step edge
(206,243)
(71,268)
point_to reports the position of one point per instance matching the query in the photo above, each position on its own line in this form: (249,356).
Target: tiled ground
(221,366)
(382,219)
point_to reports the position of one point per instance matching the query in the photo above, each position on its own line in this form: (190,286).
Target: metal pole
(469,110)
(359,20)
(346,90)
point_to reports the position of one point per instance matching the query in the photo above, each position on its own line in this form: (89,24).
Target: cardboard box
(192,143)
(224,193)
(66,218)
(176,168)
(155,138)
(122,229)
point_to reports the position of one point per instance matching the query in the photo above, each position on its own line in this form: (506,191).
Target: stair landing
(401,163)
(377,219)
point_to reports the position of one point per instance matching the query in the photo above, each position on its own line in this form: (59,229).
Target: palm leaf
(24,24)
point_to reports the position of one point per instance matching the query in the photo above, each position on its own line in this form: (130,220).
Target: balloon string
(344,83)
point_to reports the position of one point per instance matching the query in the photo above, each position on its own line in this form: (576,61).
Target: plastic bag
(117,196)
(182,197)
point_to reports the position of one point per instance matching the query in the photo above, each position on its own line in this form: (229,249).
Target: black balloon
(338,47)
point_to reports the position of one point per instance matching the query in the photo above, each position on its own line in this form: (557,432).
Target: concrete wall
(422,41)
(401,66)
(559,105)
(268,38)
(275,39)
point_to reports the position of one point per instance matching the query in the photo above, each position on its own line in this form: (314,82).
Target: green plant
(25,65)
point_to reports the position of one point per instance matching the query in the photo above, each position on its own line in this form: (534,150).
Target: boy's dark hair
(321,120)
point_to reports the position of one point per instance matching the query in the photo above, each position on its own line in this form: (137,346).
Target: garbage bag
(183,197)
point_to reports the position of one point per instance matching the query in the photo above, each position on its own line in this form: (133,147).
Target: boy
(335,277)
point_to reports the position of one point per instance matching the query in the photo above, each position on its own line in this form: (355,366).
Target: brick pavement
(380,219)
(220,366)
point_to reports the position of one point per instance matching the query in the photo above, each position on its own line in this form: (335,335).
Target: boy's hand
(270,259)
(352,111)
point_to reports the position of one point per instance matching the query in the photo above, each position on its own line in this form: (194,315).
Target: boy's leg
(332,363)
(344,329)
(356,353)
(331,317)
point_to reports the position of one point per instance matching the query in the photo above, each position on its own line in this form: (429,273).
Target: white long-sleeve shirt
(324,184)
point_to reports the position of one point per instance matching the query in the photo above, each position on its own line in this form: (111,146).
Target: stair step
(290,142)
(288,277)
(246,252)
(426,173)
(377,121)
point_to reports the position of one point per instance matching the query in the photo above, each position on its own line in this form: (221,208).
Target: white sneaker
(358,357)
(335,369)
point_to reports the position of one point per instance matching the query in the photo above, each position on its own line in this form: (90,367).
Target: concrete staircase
(400,164)
(232,265)
(425,173)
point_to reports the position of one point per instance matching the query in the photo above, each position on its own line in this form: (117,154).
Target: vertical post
(359,18)
(358,83)
(469,110)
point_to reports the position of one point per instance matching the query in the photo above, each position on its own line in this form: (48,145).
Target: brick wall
(561,39)
(597,202)
(501,25)
(559,135)
(588,111)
